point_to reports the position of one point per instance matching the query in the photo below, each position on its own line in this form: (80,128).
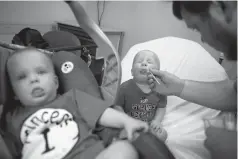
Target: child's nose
(34,78)
(144,64)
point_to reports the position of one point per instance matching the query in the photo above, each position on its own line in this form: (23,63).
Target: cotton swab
(154,77)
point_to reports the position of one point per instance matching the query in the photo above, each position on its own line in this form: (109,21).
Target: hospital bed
(183,120)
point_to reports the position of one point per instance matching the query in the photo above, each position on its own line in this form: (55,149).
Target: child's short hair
(29,49)
(48,56)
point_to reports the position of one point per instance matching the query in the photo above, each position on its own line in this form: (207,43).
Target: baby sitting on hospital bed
(45,125)
(136,98)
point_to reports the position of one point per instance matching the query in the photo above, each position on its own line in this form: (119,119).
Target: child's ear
(132,72)
(56,80)
(158,67)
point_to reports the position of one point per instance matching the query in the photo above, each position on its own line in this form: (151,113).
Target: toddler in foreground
(45,125)
(138,100)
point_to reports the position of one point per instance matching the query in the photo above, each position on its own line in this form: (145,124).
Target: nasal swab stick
(154,77)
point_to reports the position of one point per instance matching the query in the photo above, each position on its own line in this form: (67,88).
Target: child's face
(32,77)
(142,62)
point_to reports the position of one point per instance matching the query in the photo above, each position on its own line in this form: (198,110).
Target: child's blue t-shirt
(138,104)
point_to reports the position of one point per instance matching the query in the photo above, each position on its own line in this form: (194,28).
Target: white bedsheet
(183,120)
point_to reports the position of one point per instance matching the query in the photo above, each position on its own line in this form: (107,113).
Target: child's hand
(133,126)
(158,130)
(155,125)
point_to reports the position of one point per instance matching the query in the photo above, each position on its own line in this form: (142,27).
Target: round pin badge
(67,67)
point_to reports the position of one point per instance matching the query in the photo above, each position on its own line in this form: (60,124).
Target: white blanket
(183,120)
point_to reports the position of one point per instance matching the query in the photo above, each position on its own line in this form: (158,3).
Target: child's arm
(160,112)
(156,126)
(96,111)
(113,118)
(120,99)
(9,144)
(119,108)
(5,150)
(116,119)
(159,116)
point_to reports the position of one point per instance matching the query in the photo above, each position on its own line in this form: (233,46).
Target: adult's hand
(221,137)
(219,95)
(169,83)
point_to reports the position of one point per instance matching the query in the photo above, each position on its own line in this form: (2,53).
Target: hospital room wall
(141,21)
(16,15)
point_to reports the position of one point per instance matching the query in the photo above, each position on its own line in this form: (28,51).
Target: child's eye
(21,77)
(41,72)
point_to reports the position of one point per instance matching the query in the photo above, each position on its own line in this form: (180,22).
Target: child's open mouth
(38,92)
(143,71)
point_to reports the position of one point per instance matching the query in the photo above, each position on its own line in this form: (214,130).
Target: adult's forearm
(216,95)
